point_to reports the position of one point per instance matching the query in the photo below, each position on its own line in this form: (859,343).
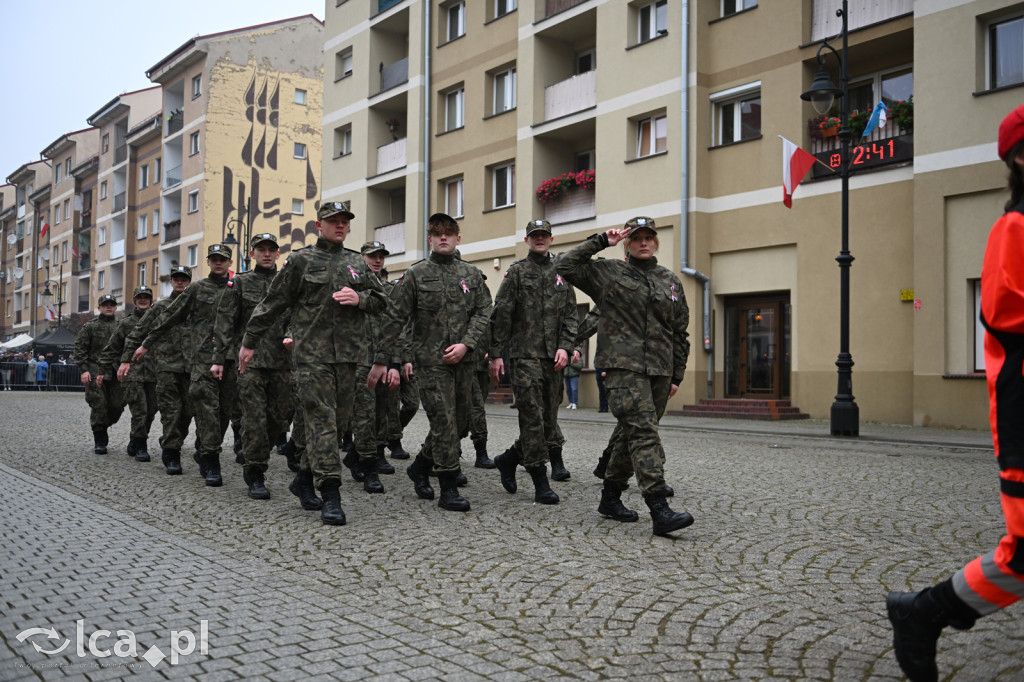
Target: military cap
(107,298)
(332,208)
(142,291)
(641,223)
(182,270)
(537,226)
(262,237)
(221,250)
(374,247)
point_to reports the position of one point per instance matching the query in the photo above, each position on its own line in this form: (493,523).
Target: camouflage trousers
(106,404)
(445,391)
(369,415)
(389,427)
(265,398)
(537,389)
(477,422)
(298,434)
(409,396)
(212,400)
(325,398)
(638,402)
(141,399)
(175,407)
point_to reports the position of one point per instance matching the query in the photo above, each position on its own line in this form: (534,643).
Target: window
(652,20)
(193,256)
(103,190)
(142,274)
(156,221)
(300,96)
(737,114)
(193,201)
(734,6)
(453,198)
(63,292)
(456,13)
(300,150)
(56,254)
(503,7)
(67,167)
(651,135)
(586,61)
(343,140)
(157,168)
(1006,52)
(503,184)
(505,90)
(297,206)
(64,252)
(197,86)
(143,230)
(343,64)
(894,85)
(193,143)
(101,235)
(106,143)
(585,161)
(454,109)
(144,176)
(57,169)
(56,214)
(155,275)
(101,280)
(67,209)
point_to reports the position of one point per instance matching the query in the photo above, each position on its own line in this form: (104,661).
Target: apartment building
(24,268)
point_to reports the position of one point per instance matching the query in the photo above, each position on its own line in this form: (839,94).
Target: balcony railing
(117,292)
(394,74)
(886,145)
(172,231)
(120,153)
(391,156)
(573,94)
(386,4)
(83,304)
(120,201)
(825,23)
(393,236)
(173,177)
(117,249)
(556,6)
(175,121)
(575,204)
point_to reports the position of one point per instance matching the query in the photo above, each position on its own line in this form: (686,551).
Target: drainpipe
(684,216)
(426,123)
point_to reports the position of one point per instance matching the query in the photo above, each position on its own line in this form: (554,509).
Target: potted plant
(903,113)
(858,121)
(829,126)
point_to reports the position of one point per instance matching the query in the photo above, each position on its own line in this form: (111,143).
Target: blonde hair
(629,238)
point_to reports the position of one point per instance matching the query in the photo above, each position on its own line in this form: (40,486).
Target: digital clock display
(868,155)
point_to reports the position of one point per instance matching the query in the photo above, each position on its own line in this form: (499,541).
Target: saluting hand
(346,296)
(616,236)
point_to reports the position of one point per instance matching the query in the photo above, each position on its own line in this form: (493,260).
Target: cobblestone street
(798,538)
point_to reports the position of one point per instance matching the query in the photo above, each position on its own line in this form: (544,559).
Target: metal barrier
(13,377)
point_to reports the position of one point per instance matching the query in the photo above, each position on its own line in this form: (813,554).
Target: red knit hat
(1011,131)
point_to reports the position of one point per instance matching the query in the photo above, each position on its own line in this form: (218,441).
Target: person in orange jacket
(994,580)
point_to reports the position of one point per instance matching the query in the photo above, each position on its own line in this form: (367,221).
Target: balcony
(575,204)
(571,95)
(120,201)
(393,236)
(394,74)
(85,219)
(116,293)
(117,249)
(556,6)
(886,145)
(825,23)
(83,304)
(391,156)
(175,121)
(172,178)
(120,153)
(172,231)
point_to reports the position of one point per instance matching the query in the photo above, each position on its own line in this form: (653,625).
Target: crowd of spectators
(35,371)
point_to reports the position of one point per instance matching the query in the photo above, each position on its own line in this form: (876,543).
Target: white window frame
(103,190)
(734,97)
(197,86)
(505,82)
(67,167)
(56,214)
(193,143)
(456,99)
(300,96)
(343,140)
(64,252)
(156,221)
(509,6)
(144,176)
(142,274)
(344,64)
(979,330)
(101,235)
(655,122)
(731,7)
(592,54)
(456,11)
(192,253)
(990,67)
(193,201)
(67,209)
(158,168)
(298,206)
(101,280)
(503,178)
(458,186)
(299,150)
(655,24)
(57,168)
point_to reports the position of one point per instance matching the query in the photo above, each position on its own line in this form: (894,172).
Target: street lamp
(47,294)
(845,415)
(244,231)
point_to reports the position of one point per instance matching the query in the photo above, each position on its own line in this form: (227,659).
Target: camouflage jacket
(170,353)
(233,313)
(534,311)
(91,341)
(644,315)
(323,330)
(196,307)
(114,351)
(446,302)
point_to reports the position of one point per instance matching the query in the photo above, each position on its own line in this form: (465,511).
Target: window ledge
(453,130)
(1002,88)
(343,77)
(649,156)
(339,156)
(663,34)
(734,14)
(491,21)
(449,42)
(498,208)
(733,144)
(960,377)
(500,113)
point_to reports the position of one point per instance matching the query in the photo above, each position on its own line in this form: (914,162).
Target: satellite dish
(45,255)
(19,273)
(12,239)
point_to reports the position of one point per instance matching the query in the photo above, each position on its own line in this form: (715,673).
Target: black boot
(331,513)
(669,492)
(482,460)
(213,478)
(289,451)
(383,466)
(99,437)
(371,481)
(257,486)
(558,470)
(201,461)
(397,451)
(664,519)
(351,461)
(506,464)
(460,479)
(132,448)
(347,444)
(917,620)
(419,473)
(237,446)
(611,504)
(172,461)
(602,464)
(141,450)
(302,487)
(282,441)
(542,490)
(450,498)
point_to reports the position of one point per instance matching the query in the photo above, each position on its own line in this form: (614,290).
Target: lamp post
(845,415)
(244,231)
(60,297)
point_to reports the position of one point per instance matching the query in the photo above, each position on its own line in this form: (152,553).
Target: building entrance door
(757,346)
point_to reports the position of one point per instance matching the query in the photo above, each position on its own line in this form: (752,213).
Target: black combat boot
(558,470)
(302,487)
(201,461)
(371,481)
(383,466)
(133,447)
(542,489)
(460,479)
(664,519)
(347,444)
(351,461)
(141,450)
(405,416)
(331,513)
(289,451)
(602,464)
(450,498)
(282,440)
(482,460)
(917,620)
(669,492)
(397,451)
(611,503)
(257,485)
(172,461)
(506,464)
(419,473)
(213,478)
(99,437)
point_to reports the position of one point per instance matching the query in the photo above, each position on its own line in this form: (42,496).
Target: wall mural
(259,154)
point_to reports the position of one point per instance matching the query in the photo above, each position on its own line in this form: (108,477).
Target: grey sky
(62,60)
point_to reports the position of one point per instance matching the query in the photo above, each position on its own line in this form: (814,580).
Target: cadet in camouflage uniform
(139,386)
(408,395)
(643,343)
(211,395)
(173,371)
(265,390)
(106,402)
(330,294)
(449,306)
(534,327)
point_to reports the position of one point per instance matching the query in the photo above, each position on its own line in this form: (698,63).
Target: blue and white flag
(879,116)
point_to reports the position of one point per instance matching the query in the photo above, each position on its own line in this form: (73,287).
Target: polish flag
(42,232)
(795,164)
